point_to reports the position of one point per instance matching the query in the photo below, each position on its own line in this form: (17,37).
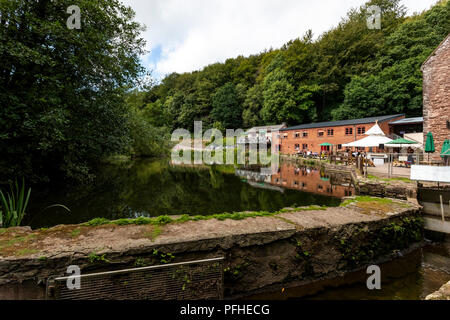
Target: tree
(226,108)
(63,91)
(252,105)
(279,104)
(395,85)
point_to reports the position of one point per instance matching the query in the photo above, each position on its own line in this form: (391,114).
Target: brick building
(309,180)
(311,136)
(436,95)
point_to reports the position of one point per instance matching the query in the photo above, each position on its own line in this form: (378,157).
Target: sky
(187,35)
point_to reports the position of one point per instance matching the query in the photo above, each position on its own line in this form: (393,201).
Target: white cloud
(195,33)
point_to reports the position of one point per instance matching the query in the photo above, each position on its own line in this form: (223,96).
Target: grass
(75,233)
(26,251)
(369,204)
(163,220)
(372,177)
(156,231)
(365,199)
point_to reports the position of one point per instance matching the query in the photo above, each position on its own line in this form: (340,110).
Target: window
(339,146)
(330,132)
(305,146)
(297,147)
(305,134)
(320,133)
(361,130)
(297,135)
(348,131)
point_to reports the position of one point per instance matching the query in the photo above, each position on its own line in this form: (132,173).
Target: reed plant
(13,205)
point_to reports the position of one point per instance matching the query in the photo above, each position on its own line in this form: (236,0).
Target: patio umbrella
(429,145)
(370,141)
(401,143)
(376,136)
(445,149)
(326,144)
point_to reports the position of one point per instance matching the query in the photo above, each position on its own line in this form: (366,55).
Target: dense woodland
(63,92)
(348,72)
(68,97)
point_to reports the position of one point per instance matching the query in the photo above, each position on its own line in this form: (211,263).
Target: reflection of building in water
(310,180)
(256,176)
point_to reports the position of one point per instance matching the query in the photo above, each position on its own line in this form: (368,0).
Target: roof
(409,121)
(267,128)
(435,51)
(344,122)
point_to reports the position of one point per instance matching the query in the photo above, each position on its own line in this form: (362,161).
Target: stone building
(436,95)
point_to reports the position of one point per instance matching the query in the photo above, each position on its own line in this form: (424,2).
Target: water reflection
(412,277)
(302,178)
(152,188)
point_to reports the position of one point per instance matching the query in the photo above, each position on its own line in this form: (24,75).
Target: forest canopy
(69,98)
(349,71)
(64,92)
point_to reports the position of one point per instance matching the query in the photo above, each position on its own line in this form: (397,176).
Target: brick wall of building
(313,141)
(309,180)
(436,95)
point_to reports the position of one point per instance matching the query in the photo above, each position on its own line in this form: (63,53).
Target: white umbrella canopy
(369,142)
(375,137)
(375,131)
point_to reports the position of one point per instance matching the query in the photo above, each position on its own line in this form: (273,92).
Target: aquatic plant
(14,205)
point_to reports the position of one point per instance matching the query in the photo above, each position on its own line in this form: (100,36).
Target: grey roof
(267,128)
(343,122)
(409,120)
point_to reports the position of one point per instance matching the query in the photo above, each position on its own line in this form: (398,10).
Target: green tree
(226,107)
(252,105)
(63,91)
(395,85)
(279,103)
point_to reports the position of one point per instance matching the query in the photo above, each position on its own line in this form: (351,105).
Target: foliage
(146,139)
(226,108)
(394,85)
(14,205)
(63,91)
(349,71)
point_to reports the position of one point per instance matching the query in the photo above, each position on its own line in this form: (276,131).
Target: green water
(153,188)
(411,277)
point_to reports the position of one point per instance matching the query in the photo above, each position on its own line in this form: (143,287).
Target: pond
(153,188)
(411,277)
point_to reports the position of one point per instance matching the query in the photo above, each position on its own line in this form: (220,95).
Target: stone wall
(442,294)
(436,95)
(290,249)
